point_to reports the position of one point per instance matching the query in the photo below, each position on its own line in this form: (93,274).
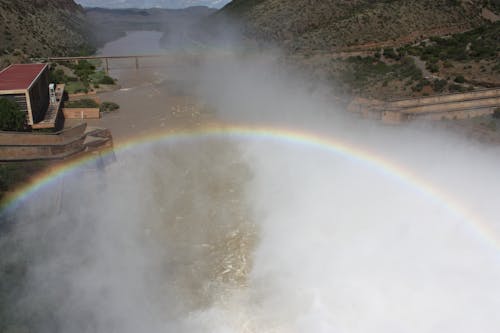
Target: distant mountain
(173,4)
(109,24)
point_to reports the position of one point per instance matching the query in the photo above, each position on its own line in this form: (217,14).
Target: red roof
(20,76)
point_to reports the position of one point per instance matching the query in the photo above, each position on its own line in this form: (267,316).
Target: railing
(102,57)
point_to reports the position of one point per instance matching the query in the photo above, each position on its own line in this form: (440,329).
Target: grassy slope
(41,28)
(311,30)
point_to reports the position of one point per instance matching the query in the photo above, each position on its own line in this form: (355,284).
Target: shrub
(82,103)
(106,80)
(456,88)
(447,64)
(83,69)
(432,67)
(391,54)
(460,79)
(57,76)
(439,85)
(11,116)
(109,106)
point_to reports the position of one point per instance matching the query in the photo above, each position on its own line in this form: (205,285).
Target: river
(135,42)
(273,230)
(154,97)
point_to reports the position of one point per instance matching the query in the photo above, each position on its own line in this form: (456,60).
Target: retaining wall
(444,98)
(81,113)
(30,146)
(443,107)
(449,106)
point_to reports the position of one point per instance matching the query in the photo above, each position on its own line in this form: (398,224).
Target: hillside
(341,24)
(33,28)
(380,48)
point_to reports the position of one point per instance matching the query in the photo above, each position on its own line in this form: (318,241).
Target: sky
(151,3)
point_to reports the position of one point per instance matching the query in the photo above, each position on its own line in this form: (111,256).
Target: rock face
(36,28)
(343,24)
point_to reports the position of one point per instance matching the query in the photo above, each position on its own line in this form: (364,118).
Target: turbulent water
(260,231)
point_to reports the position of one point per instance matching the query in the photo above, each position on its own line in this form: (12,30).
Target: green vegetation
(36,29)
(439,85)
(109,107)
(13,174)
(391,54)
(364,71)
(86,74)
(478,44)
(106,80)
(432,67)
(460,79)
(456,88)
(82,103)
(76,87)
(11,117)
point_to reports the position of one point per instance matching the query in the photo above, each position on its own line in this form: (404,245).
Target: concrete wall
(76,97)
(392,117)
(444,98)
(443,107)
(40,152)
(453,115)
(450,106)
(81,113)
(35,139)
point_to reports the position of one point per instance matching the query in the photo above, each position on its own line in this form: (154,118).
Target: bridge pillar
(136,62)
(107,66)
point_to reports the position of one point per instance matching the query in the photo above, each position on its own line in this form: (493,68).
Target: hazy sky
(151,3)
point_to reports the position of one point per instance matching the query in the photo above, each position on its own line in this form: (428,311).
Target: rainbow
(328,143)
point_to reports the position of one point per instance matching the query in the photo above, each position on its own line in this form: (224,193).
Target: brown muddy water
(261,233)
(204,227)
(163,232)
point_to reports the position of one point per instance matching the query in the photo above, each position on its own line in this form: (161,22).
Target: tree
(11,116)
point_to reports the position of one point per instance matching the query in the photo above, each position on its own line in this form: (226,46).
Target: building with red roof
(28,86)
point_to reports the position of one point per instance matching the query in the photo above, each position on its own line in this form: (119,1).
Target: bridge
(105,58)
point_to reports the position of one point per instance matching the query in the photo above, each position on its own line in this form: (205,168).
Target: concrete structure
(448,106)
(25,146)
(22,146)
(28,86)
(81,113)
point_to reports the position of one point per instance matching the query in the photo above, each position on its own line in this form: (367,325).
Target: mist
(234,233)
